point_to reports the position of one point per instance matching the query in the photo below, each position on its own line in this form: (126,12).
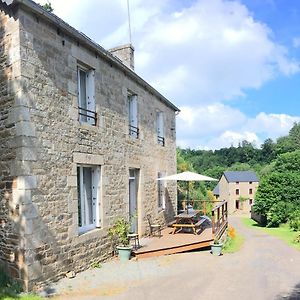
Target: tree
(278,193)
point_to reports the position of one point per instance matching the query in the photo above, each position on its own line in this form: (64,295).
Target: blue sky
(232,67)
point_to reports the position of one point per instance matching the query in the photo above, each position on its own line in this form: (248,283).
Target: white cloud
(217,125)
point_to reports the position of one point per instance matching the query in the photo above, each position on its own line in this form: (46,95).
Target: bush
(278,214)
(7,285)
(294,220)
(297,239)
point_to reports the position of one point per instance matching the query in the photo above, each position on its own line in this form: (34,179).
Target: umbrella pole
(187,198)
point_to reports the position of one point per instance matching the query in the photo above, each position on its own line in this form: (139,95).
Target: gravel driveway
(264,269)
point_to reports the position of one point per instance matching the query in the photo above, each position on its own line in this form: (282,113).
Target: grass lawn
(233,245)
(283,232)
(19,297)
(10,290)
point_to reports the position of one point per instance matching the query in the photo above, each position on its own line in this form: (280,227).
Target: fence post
(213,221)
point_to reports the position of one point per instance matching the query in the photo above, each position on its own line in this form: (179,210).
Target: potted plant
(216,247)
(119,232)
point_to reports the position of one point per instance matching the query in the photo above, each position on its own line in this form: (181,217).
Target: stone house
(238,188)
(83,140)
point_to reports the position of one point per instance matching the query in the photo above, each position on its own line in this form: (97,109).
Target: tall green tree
(278,194)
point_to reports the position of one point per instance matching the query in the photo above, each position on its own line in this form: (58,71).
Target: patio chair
(153,227)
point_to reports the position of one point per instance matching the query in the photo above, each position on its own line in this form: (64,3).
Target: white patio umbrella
(188,176)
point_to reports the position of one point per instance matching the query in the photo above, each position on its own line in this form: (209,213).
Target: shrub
(7,285)
(278,214)
(297,239)
(294,220)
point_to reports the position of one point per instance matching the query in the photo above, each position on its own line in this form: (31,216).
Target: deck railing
(219,219)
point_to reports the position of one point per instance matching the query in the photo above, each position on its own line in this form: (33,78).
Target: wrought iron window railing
(161,140)
(88,116)
(134,131)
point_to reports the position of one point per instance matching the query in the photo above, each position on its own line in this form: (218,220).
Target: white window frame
(133,116)
(83,201)
(89,105)
(161,192)
(160,128)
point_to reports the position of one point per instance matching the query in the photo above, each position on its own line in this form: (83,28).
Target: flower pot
(124,252)
(216,249)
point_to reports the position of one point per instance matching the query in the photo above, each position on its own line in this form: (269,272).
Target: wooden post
(213,221)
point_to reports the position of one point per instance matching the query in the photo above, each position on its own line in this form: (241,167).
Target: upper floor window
(237,191)
(250,191)
(250,182)
(160,128)
(133,116)
(161,203)
(237,182)
(86,95)
(88,182)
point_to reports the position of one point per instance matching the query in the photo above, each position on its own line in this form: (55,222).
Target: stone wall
(11,256)
(51,142)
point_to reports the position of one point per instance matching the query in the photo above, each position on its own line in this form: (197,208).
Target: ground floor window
(88,183)
(237,204)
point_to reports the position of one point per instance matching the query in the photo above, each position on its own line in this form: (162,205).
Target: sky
(232,67)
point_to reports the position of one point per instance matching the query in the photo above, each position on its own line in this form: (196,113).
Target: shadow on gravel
(294,295)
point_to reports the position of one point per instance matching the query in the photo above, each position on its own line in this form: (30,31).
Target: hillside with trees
(277,164)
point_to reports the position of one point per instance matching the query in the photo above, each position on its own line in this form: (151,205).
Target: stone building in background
(82,141)
(238,188)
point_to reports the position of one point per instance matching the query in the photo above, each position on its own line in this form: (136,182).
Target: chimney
(125,53)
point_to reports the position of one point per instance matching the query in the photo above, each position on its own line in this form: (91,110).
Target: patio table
(185,220)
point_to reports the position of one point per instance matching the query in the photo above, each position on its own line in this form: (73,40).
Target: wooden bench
(200,222)
(193,226)
(183,225)
(170,224)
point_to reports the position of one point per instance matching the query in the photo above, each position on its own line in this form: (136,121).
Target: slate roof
(216,190)
(241,176)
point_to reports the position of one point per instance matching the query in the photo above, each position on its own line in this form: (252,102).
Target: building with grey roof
(238,188)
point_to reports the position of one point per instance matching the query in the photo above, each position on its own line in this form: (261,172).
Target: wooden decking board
(170,243)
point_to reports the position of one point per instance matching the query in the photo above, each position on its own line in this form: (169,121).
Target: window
(250,201)
(250,182)
(250,191)
(133,117)
(237,191)
(88,178)
(160,128)
(237,204)
(237,182)
(86,96)
(161,203)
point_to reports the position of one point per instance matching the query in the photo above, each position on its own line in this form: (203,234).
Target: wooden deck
(170,243)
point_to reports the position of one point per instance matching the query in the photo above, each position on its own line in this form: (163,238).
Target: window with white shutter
(88,185)
(133,116)
(86,95)
(160,128)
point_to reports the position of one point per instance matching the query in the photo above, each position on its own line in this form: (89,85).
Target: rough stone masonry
(42,143)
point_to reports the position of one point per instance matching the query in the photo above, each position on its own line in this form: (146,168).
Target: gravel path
(264,269)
